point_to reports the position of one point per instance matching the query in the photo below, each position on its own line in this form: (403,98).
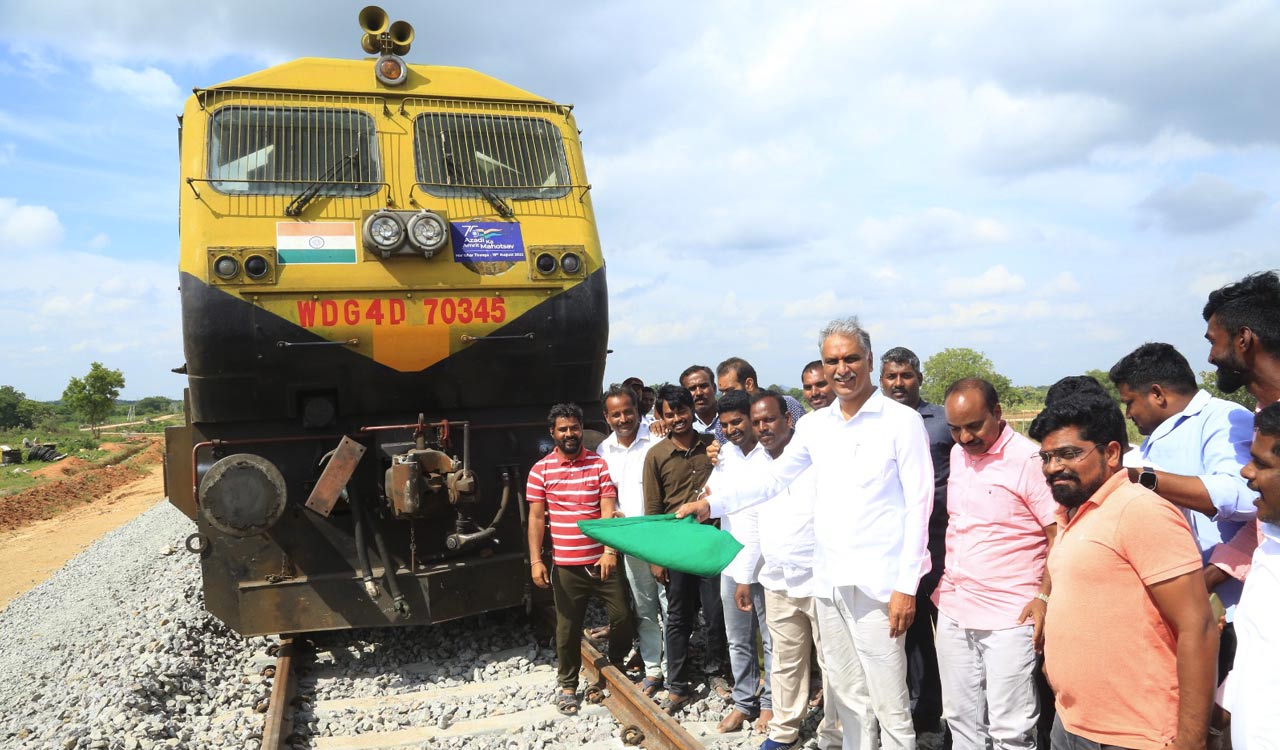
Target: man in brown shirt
(675,469)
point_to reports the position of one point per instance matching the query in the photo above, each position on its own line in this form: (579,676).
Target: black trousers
(923,683)
(573,586)
(684,593)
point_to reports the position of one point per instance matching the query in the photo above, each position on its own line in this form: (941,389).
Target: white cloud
(1063,283)
(933,229)
(28,227)
(824,305)
(1205,204)
(99,241)
(993,282)
(1169,146)
(150,86)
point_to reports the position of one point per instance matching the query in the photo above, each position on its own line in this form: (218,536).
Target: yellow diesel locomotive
(388,273)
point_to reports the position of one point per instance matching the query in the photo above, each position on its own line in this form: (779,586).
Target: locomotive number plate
(431,311)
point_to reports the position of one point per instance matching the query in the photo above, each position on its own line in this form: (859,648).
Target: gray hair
(849,328)
(901,355)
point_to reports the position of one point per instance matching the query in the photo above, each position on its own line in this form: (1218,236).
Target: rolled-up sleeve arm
(915,473)
(753,485)
(1226,451)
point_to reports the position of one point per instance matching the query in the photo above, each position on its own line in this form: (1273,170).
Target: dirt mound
(64,468)
(83,487)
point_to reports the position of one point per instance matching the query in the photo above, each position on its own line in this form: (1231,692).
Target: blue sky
(1049,183)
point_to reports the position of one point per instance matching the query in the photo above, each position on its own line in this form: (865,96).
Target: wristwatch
(1147,478)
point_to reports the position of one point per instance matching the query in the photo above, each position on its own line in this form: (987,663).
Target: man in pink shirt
(994,590)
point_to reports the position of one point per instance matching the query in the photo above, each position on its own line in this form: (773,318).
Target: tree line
(93,399)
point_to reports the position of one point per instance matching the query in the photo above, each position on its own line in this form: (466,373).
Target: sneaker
(769,744)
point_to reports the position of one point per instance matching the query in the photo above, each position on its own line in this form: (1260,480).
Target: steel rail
(644,724)
(277,725)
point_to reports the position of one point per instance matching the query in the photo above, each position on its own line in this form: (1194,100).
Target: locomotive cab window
(508,157)
(284,150)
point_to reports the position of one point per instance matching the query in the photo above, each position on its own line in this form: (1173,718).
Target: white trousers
(650,599)
(988,686)
(867,671)
(793,623)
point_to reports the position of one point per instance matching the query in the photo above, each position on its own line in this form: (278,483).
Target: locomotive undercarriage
(412,536)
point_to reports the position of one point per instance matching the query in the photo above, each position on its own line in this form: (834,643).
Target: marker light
(545,263)
(226,267)
(427,232)
(391,70)
(570,263)
(256,266)
(384,231)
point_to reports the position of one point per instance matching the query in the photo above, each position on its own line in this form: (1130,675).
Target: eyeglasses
(1067,455)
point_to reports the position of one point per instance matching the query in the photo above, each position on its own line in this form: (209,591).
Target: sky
(1050,183)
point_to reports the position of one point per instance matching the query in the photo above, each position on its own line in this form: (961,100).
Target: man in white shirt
(875,492)
(743,624)
(623,451)
(1255,680)
(785,572)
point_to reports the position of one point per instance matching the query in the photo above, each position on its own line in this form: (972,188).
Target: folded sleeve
(1226,451)
(1156,540)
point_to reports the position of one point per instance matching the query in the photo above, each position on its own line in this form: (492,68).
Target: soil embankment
(44,526)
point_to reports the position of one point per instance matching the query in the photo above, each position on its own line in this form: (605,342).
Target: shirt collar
(642,436)
(1195,406)
(874,404)
(1115,482)
(997,448)
(1270,530)
(582,456)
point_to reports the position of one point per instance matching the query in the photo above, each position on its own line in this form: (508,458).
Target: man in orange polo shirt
(1131,645)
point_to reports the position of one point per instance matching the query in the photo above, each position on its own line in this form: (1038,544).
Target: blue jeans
(741,629)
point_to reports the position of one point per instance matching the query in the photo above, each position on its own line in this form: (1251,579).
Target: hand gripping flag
(684,545)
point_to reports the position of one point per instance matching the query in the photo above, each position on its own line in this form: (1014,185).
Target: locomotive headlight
(384,231)
(226,267)
(427,232)
(545,263)
(256,266)
(570,263)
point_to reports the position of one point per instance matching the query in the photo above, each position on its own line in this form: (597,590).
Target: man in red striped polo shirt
(572,484)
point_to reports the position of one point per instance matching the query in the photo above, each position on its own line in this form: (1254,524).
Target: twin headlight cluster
(388,233)
(243,265)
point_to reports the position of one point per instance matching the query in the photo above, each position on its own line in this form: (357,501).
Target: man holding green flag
(874,494)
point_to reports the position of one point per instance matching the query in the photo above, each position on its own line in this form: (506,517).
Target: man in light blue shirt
(1195,447)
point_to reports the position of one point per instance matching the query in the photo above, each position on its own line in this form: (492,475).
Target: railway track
(607,690)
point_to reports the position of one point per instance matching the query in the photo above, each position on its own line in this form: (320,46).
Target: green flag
(684,545)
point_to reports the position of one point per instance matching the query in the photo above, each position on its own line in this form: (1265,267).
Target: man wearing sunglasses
(1130,640)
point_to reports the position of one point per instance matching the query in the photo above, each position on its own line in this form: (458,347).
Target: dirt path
(31,553)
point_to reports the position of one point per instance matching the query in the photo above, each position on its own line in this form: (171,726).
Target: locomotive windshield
(508,157)
(284,150)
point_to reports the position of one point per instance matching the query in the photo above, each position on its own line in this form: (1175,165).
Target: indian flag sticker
(299,242)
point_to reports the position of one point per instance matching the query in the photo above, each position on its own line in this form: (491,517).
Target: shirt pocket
(992,505)
(872,464)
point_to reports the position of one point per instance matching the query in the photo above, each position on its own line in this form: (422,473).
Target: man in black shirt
(900,379)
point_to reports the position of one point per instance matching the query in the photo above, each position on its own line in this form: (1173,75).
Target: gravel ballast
(115,652)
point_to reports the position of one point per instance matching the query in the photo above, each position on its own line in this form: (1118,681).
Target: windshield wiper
(330,176)
(451,173)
